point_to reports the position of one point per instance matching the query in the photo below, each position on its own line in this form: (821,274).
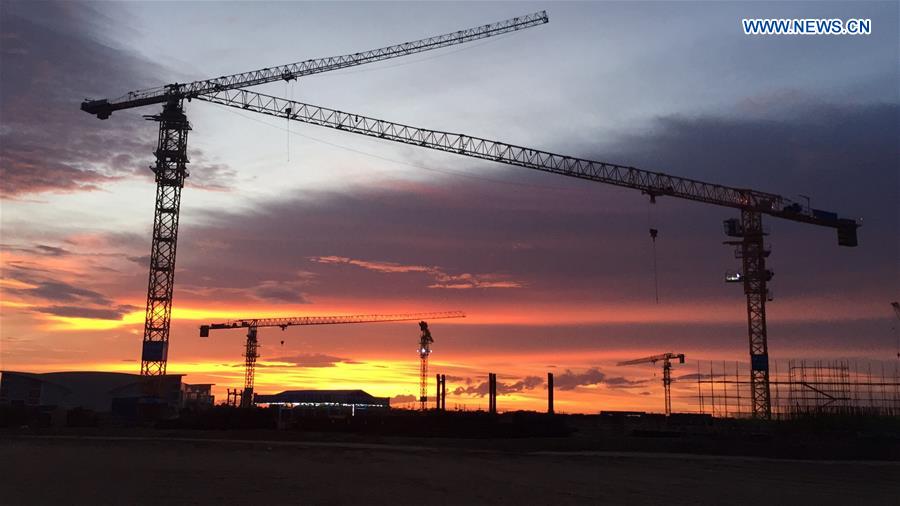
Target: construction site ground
(270,467)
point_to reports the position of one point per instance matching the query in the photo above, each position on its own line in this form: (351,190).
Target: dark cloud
(207,174)
(842,155)
(620,382)
(582,241)
(51,61)
(54,55)
(143,260)
(60,298)
(403,399)
(58,291)
(481,389)
(695,377)
(51,250)
(38,249)
(569,380)
(440,279)
(87,312)
(286,291)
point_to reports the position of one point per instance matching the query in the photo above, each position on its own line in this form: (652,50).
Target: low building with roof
(330,400)
(100,392)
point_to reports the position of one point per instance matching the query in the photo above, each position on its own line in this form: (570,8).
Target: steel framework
(425,342)
(164,94)
(171,154)
(171,171)
(752,203)
(666,359)
(326,320)
(251,353)
(649,182)
(251,347)
(226,90)
(802,388)
(752,251)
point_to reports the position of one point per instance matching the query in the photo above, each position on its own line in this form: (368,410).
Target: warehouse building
(100,392)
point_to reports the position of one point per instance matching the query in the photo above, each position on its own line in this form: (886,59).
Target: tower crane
(752,204)
(666,359)
(251,349)
(172,159)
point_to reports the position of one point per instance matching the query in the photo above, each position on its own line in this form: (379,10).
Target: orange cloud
(441,278)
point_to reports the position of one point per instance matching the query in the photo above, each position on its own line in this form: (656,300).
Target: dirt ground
(69,470)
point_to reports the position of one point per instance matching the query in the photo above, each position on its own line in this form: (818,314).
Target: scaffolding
(802,388)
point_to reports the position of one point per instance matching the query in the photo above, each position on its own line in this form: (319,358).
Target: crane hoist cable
(651,226)
(289,91)
(896,308)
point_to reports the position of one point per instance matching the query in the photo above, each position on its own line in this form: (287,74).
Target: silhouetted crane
(251,350)
(425,341)
(748,229)
(666,359)
(172,159)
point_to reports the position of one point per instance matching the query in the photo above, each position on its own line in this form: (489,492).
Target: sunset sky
(555,274)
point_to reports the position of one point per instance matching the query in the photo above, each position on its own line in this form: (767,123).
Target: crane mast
(170,171)
(171,155)
(172,160)
(425,341)
(666,359)
(752,204)
(251,348)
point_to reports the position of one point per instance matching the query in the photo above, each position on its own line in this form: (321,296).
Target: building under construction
(746,232)
(802,388)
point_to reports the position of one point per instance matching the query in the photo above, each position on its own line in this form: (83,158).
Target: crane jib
(253,323)
(174,92)
(653,183)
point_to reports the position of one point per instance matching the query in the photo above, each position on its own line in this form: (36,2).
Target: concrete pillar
(443,392)
(492,393)
(437,395)
(550,393)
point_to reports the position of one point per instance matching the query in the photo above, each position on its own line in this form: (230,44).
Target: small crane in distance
(251,348)
(666,359)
